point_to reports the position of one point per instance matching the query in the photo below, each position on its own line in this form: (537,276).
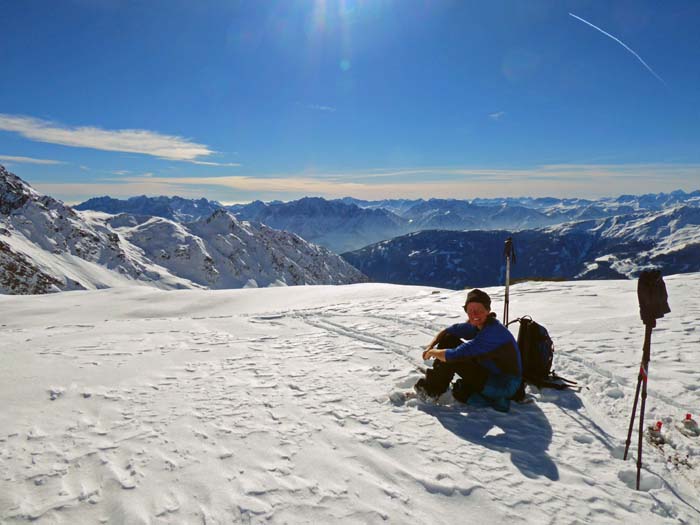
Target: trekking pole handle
(652,296)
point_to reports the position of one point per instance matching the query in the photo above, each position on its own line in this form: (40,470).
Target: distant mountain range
(174,208)
(348,224)
(47,246)
(613,247)
(332,223)
(174,242)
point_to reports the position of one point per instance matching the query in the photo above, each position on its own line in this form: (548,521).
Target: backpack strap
(519,319)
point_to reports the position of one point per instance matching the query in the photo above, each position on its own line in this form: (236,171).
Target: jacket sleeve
(463,330)
(486,342)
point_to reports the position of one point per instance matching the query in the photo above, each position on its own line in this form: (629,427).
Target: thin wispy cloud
(124,140)
(317,107)
(623,45)
(562,180)
(208,163)
(497,116)
(552,180)
(28,160)
(547,171)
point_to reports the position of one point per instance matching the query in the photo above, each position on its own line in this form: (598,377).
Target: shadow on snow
(524,432)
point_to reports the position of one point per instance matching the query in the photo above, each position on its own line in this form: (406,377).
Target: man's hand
(435,341)
(427,349)
(436,353)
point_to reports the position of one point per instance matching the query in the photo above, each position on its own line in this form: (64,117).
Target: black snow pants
(437,379)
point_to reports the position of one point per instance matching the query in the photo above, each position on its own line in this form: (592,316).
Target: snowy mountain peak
(46,246)
(14,192)
(221,216)
(175,208)
(220,222)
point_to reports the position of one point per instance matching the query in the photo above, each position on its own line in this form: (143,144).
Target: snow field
(135,405)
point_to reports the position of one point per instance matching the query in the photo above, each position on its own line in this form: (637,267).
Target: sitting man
(483,352)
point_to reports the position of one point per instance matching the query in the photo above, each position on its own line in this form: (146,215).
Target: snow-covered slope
(667,239)
(222,252)
(68,252)
(47,246)
(134,405)
(20,275)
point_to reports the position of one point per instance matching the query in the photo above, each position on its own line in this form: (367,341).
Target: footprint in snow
(56,392)
(615,393)
(647,482)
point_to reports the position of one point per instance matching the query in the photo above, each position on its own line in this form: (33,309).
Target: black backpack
(537,354)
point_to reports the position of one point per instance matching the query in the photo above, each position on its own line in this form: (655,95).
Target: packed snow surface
(136,405)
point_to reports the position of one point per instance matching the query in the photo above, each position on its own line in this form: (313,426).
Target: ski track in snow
(201,407)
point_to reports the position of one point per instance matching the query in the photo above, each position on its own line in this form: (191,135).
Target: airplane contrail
(623,45)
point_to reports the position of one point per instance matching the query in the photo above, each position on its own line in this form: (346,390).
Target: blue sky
(236,101)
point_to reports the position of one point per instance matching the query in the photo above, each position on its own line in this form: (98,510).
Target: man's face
(477,314)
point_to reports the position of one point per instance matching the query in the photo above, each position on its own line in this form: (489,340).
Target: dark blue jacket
(493,347)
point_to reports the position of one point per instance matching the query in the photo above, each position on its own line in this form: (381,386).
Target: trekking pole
(509,253)
(653,304)
(645,367)
(642,374)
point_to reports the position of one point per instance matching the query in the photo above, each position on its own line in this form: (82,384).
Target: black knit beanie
(478,296)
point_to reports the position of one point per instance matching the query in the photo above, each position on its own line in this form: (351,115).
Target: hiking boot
(460,391)
(423,393)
